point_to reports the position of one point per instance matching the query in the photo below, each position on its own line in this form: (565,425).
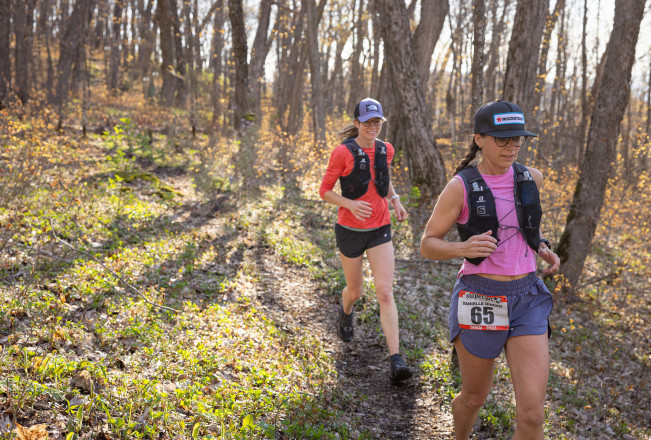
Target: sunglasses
(372,122)
(518,141)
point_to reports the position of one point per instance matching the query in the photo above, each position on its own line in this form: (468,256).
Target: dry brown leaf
(36,432)
(83,380)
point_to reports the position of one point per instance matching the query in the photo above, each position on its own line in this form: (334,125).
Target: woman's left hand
(550,258)
(401,213)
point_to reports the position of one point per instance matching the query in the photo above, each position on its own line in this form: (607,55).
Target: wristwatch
(544,240)
(395,196)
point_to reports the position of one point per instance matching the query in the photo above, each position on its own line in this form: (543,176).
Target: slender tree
(585,104)
(498,25)
(166,43)
(5,66)
(426,35)
(146,32)
(541,81)
(477,72)
(597,165)
(426,168)
(357,91)
(241,65)
(114,63)
(259,51)
(216,64)
(524,48)
(316,87)
(72,50)
(23,13)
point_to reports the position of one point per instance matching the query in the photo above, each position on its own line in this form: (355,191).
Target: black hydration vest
(483,214)
(355,184)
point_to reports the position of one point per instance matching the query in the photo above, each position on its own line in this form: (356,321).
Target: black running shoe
(345,325)
(399,369)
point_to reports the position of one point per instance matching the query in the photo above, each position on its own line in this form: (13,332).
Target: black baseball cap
(500,119)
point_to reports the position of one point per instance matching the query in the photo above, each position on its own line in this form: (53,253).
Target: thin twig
(135,289)
(38,251)
(596,280)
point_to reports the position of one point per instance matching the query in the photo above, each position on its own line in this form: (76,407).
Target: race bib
(482,312)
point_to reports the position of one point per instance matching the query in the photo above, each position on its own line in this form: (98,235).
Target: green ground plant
(133,276)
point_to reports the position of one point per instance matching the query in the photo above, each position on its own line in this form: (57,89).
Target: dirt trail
(410,411)
(292,298)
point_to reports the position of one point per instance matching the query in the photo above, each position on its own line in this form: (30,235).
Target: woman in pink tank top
(498,303)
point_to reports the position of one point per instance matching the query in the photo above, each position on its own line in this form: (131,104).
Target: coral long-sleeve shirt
(341,164)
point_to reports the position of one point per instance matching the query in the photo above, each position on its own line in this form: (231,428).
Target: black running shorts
(354,243)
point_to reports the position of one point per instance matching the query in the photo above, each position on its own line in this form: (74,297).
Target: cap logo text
(371,108)
(508,118)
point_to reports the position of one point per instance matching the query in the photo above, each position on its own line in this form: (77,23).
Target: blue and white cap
(368,108)
(500,119)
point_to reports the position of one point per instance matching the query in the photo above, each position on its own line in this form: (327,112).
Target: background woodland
(159,167)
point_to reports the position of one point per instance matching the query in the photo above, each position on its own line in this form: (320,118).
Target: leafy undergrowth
(136,276)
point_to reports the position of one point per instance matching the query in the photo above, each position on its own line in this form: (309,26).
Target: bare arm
(446,212)
(401,212)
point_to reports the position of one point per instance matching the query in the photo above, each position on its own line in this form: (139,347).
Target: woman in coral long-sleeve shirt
(361,162)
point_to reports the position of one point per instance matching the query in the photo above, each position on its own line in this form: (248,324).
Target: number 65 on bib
(482,312)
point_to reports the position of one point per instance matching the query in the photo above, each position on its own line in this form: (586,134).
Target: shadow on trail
(380,409)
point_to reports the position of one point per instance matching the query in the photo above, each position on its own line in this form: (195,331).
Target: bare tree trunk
(114,63)
(189,16)
(539,91)
(23,21)
(290,68)
(71,49)
(426,168)
(146,32)
(5,66)
(216,65)
(180,57)
(259,51)
(164,20)
(101,24)
(522,60)
(241,66)
(337,77)
(426,35)
(377,42)
(356,91)
(625,146)
(596,167)
(44,34)
(477,72)
(318,103)
(585,105)
(492,68)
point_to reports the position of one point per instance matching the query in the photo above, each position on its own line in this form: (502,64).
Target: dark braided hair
(473,148)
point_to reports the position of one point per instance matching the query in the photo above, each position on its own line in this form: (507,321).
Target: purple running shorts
(528,301)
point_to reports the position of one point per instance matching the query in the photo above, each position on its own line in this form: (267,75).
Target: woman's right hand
(481,245)
(361,210)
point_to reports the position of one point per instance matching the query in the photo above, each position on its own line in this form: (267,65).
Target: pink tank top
(513,255)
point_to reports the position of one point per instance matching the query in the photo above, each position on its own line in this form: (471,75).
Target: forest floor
(250,267)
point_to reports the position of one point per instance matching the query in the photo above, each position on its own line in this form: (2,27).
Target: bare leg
(528,358)
(382,264)
(354,281)
(476,383)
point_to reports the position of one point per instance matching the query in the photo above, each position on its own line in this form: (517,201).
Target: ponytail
(473,148)
(348,132)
